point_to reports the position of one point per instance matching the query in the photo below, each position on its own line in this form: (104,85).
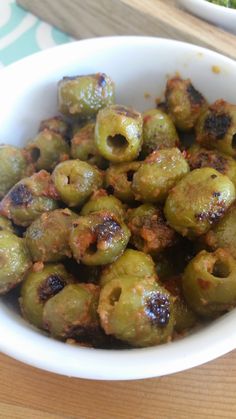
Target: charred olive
(38,287)
(184,103)
(30,198)
(135,310)
(199,200)
(98,238)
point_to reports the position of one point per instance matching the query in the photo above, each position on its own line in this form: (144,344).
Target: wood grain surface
(206,392)
(85,19)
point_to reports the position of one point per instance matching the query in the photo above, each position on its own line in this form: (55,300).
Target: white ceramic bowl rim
(29,346)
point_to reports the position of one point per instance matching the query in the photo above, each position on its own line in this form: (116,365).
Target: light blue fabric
(22,34)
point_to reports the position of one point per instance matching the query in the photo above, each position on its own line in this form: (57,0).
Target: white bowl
(138,65)
(219,15)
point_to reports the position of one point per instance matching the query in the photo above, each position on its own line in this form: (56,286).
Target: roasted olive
(14,260)
(158,131)
(56,124)
(184,316)
(119,179)
(184,103)
(216,128)
(149,230)
(135,310)
(209,283)
(158,174)
(101,201)
(118,133)
(83,96)
(13,167)
(200,199)
(133,263)
(201,157)
(223,234)
(47,237)
(83,146)
(75,181)
(29,198)
(98,238)
(72,313)
(48,149)
(6,224)
(40,284)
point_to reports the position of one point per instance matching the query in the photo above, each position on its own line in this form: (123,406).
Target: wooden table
(207,392)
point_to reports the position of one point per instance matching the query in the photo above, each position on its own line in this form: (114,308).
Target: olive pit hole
(92,248)
(234,141)
(220,269)
(130,175)
(35,154)
(117,142)
(115,296)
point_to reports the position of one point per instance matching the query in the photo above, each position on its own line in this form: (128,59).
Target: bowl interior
(139,66)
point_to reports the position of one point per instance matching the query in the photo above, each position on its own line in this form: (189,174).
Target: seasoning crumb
(147,95)
(38,266)
(215,69)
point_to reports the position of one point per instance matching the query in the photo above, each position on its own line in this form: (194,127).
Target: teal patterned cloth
(22,34)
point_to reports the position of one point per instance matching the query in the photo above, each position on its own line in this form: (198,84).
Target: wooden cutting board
(89,18)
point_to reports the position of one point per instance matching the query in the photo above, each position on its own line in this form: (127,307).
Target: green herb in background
(226,3)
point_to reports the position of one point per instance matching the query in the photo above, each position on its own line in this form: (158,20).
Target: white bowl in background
(138,65)
(224,17)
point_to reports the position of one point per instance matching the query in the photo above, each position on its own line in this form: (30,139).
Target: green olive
(98,238)
(133,263)
(223,234)
(14,260)
(38,287)
(118,133)
(29,198)
(184,316)
(48,149)
(72,313)
(101,201)
(75,181)
(83,96)
(158,174)
(6,224)
(201,157)
(47,237)
(135,310)
(185,104)
(149,231)
(56,124)
(83,146)
(158,131)
(200,199)
(119,179)
(216,128)
(209,283)
(13,167)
